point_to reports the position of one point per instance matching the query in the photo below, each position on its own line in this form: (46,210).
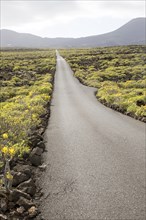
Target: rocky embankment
(23,200)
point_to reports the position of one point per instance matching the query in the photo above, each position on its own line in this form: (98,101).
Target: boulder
(34,139)
(35,160)
(25,203)
(35,156)
(23,169)
(38,151)
(41,145)
(28,187)
(21,173)
(16,194)
(19,178)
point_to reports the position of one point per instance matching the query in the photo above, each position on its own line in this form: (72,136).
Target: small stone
(33,211)
(43,167)
(20,210)
(3,217)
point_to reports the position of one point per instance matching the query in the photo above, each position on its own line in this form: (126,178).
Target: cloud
(124,8)
(51,18)
(20,12)
(117,8)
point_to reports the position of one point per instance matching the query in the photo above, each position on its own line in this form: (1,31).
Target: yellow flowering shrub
(26,89)
(118,73)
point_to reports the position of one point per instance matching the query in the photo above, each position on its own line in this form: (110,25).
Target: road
(95,157)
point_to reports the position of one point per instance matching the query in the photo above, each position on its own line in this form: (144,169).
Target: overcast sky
(68,18)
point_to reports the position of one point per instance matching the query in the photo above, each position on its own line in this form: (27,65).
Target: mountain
(131,33)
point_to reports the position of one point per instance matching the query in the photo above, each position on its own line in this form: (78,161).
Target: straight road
(95,157)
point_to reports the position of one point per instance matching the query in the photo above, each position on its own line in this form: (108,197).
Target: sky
(68,18)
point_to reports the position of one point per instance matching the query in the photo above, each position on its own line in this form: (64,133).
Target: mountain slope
(132,32)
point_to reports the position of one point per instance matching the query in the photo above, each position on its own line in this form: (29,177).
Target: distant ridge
(132,33)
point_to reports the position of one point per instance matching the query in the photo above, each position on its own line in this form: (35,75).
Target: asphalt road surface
(95,157)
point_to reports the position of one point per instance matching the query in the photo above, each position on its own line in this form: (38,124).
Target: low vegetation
(118,73)
(26,88)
